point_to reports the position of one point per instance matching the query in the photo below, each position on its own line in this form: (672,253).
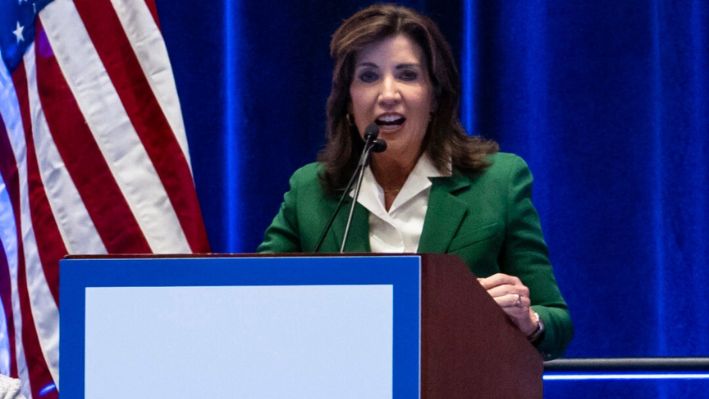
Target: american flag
(93,160)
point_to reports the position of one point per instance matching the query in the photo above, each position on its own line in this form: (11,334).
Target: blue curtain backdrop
(608,101)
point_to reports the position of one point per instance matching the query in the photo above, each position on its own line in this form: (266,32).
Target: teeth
(390,118)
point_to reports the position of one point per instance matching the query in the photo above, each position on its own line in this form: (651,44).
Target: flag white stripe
(111,127)
(73,220)
(44,310)
(148,44)
(10,113)
(4,337)
(7,235)
(8,240)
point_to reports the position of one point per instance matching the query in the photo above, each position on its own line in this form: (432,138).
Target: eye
(368,76)
(408,75)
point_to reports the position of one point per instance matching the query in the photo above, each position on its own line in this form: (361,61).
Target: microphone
(371,143)
(371,132)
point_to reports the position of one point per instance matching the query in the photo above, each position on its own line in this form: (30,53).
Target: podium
(252,326)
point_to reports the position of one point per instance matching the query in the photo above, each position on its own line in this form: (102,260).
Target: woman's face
(391,87)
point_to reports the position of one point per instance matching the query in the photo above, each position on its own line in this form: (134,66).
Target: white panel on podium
(328,341)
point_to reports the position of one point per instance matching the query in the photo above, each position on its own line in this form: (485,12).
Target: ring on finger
(518,301)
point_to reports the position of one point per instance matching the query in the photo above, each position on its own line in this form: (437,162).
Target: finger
(499,279)
(502,290)
(513,301)
(507,289)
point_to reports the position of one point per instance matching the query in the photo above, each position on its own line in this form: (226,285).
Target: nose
(389,92)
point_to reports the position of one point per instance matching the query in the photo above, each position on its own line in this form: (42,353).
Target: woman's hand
(513,297)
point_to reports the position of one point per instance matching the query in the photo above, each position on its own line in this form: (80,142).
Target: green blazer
(488,220)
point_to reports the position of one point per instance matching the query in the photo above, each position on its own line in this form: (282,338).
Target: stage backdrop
(606,100)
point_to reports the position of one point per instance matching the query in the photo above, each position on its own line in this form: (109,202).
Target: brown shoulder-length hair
(445,137)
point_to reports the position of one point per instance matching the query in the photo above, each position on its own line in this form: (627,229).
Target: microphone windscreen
(371,132)
(379,145)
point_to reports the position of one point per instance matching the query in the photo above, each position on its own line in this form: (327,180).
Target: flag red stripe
(49,256)
(36,364)
(8,170)
(50,245)
(146,116)
(89,171)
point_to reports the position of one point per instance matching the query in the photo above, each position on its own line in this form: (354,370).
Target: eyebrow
(399,66)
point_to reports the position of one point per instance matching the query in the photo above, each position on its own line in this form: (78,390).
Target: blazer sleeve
(525,255)
(282,235)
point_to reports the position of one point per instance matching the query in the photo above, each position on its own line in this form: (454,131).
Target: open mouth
(390,120)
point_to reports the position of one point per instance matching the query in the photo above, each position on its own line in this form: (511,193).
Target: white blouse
(399,229)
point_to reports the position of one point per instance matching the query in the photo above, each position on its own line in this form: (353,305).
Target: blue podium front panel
(226,327)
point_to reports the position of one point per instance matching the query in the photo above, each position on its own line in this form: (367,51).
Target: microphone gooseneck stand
(371,143)
(363,163)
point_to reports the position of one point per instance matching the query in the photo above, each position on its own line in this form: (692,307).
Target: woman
(434,189)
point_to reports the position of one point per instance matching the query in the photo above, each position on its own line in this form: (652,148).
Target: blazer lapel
(444,215)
